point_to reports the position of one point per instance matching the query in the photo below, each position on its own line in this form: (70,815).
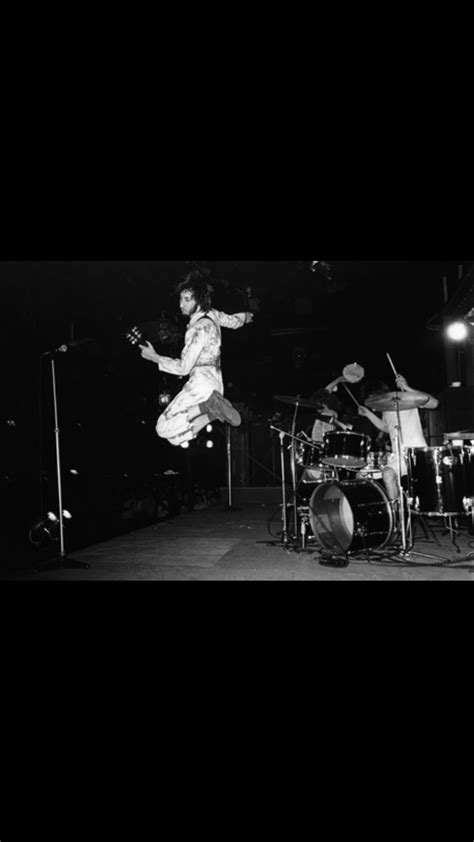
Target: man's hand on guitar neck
(148,353)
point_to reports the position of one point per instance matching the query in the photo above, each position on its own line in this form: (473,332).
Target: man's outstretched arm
(235,321)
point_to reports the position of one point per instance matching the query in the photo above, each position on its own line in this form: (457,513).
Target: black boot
(221,409)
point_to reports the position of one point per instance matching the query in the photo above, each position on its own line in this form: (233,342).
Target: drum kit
(339,505)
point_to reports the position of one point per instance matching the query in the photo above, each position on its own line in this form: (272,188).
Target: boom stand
(229,507)
(62,560)
(285,536)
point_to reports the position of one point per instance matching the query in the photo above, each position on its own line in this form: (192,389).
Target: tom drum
(345,450)
(439,479)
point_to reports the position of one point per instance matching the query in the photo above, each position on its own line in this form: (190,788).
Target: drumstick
(393,367)
(350,393)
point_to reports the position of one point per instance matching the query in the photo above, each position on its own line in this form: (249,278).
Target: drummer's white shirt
(411,430)
(320,428)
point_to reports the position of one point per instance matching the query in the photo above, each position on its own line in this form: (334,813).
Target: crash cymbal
(305,404)
(391,401)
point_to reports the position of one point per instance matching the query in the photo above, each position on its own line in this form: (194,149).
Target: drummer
(411,433)
(379,440)
(327,420)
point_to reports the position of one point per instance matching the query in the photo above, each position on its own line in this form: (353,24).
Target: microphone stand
(62,560)
(293,468)
(282,436)
(229,507)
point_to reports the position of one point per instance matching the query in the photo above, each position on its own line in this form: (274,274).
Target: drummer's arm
(333,418)
(431,402)
(377,422)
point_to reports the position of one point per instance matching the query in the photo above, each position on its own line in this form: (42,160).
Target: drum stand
(405,523)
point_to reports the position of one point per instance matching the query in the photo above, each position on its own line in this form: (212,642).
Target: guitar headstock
(135,336)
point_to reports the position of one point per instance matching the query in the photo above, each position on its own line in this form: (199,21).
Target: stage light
(209,444)
(67,514)
(457,331)
(209,428)
(74,472)
(51,517)
(185,445)
(164,398)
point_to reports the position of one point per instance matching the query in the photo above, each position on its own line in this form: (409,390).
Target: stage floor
(243,544)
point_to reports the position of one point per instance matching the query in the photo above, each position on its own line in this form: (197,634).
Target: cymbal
(466,435)
(305,404)
(391,401)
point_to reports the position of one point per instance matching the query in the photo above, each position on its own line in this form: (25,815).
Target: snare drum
(439,479)
(345,449)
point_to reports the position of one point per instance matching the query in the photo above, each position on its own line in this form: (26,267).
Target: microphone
(67,345)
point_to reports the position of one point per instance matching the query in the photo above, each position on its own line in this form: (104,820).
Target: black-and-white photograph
(247,420)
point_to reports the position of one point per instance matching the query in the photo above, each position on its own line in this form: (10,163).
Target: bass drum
(347,517)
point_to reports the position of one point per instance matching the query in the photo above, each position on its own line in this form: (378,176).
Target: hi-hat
(306,404)
(391,401)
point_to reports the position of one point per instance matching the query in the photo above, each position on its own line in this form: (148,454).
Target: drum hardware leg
(426,529)
(453,530)
(408,553)
(303,529)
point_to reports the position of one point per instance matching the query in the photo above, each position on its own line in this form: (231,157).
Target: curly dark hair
(324,398)
(373,387)
(197,282)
